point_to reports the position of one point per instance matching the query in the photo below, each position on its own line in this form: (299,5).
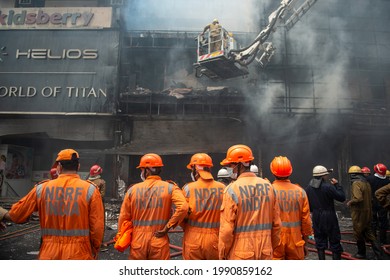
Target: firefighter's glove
(161,233)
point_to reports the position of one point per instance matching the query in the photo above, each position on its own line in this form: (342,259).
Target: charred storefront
(58,86)
(117,83)
(322,99)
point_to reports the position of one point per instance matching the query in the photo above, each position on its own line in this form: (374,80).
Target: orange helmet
(95,170)
(150,160)
(238,153)
(200,159)
(366,170)
(281,167)
(53,173)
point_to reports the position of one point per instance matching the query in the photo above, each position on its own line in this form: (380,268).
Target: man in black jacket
(321,194)
(379,214)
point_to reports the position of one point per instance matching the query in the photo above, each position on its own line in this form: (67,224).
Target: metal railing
(10,192)
(220,104)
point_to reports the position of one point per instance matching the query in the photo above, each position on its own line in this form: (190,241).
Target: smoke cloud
(191,15)
(319,65)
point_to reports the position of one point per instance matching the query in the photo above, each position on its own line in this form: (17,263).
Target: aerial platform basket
(213,60)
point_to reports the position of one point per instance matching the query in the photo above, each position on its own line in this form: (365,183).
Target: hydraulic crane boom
(247,55)
(231,60)
(299,13)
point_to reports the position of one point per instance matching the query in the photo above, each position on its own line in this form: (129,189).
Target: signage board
(58,71)
(56,18)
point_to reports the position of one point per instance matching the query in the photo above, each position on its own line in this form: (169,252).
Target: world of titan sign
(52,92)
(41,18)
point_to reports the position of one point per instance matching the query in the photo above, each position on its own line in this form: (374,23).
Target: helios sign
(59,71)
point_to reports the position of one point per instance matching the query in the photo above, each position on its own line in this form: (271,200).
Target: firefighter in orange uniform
(250,222)
(148,206)
(204,197)
(70,212)
(294,212)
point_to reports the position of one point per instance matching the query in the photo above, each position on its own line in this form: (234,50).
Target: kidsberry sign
(55,18)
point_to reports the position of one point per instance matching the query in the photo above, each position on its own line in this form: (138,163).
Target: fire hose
(386,249)
(20,232)
(177,248)
(174,247)
(344,255)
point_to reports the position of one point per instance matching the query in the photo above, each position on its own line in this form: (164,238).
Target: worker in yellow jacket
(382,194)
(294,212)
(250,222)
(70,212)
(148,206)
(204,197)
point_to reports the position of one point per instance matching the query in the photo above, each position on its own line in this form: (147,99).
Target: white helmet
(254,169)
(223,173)
(320,170)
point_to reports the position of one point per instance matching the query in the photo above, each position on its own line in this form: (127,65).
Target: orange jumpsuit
(71,217)
(296,220)
(250,221)
(200,240)
(148,206)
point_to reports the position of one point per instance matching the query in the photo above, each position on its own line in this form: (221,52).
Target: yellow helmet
(215,20)
(354,169)
(388,173)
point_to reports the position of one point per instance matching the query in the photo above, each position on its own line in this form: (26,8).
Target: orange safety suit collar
(247,174)
(282,180)
(69,175)
(153,177)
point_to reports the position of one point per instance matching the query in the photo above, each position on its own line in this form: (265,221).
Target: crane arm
(246,55)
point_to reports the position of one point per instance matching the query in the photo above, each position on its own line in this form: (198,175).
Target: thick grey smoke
(317,65)
(317,50)
(317,68)
(190,15)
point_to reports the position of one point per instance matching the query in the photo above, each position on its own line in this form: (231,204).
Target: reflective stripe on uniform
(149,223)
(91,189)
(170,188)
(203,225)
(65,232)
(232,195)
(186,190)
(129,191)
(291,224)
(39,191)
(253,228)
